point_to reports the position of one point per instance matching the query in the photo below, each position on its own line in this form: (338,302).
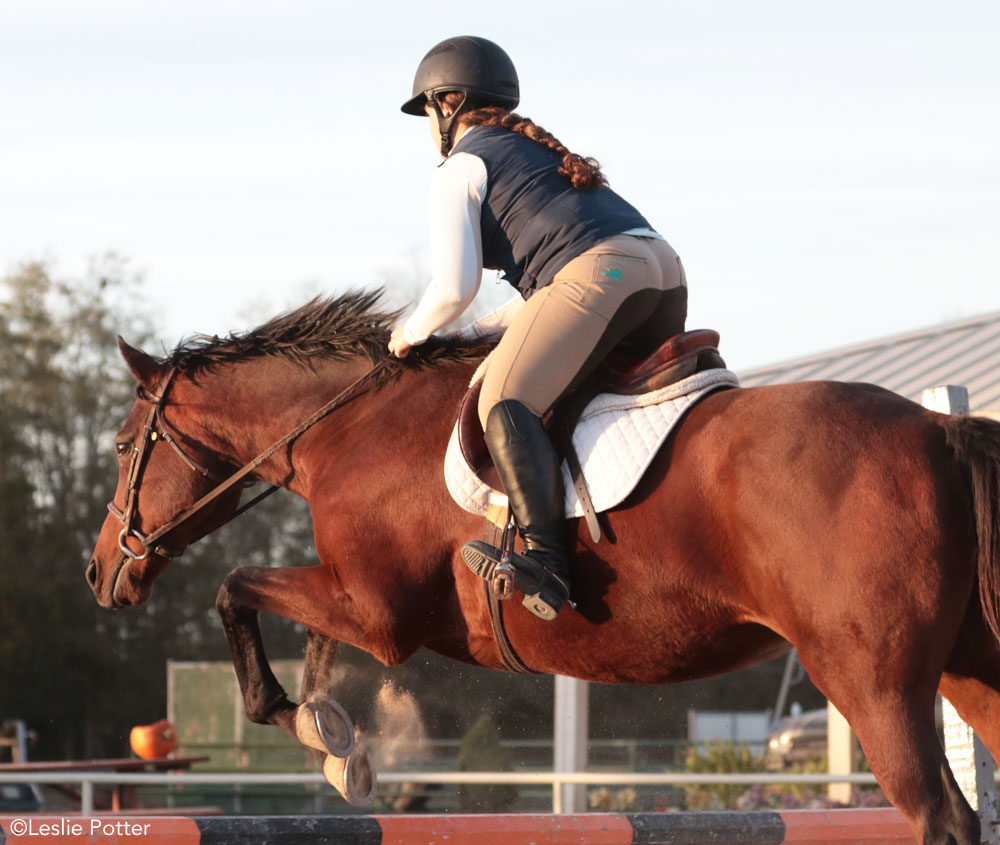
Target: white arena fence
(88,780)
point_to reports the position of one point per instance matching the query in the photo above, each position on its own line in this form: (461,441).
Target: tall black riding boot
(530,471)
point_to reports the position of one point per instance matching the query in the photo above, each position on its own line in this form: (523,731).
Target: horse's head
(164,467)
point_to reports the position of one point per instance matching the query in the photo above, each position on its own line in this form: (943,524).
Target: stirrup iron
(493,564)
(545,593)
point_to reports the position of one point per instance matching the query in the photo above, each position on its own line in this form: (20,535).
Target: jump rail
(801,827)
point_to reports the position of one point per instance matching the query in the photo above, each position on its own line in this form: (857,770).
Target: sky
(827,169)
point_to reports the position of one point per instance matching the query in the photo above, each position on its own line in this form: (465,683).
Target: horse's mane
(330,328)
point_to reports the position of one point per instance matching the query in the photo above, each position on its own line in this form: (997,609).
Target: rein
(150,435)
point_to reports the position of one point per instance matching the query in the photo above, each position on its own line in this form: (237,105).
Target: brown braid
(584,173)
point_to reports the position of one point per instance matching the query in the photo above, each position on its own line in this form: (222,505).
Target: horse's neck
(245,409)
(250,408)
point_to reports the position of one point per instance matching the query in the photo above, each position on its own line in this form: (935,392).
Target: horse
(836,518)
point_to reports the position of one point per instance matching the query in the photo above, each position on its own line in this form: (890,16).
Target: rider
(590,271)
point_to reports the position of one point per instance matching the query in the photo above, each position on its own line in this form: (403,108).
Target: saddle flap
(616,440)
(471,440)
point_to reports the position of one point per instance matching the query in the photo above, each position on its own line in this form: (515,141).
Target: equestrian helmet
(475,66)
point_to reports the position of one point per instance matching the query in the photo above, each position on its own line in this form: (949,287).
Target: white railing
(88,780)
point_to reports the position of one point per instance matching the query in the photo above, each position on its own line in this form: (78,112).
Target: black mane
(330,328)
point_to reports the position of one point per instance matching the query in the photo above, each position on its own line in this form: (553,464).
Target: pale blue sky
(827,170)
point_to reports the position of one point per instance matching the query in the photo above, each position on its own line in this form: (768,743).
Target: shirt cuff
(410,337)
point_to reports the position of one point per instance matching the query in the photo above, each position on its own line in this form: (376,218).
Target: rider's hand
(397,343)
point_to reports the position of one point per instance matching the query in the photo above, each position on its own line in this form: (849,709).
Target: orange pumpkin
(156,740)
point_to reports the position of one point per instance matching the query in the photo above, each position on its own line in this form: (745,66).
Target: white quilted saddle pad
(616,440)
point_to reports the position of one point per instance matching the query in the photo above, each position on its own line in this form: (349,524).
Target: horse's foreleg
(320,653)
(314,693)
(318,722)
(265,700)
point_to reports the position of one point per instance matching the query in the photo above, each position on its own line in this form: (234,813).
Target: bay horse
(837,518)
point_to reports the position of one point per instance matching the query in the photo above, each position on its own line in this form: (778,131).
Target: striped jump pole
(801,827)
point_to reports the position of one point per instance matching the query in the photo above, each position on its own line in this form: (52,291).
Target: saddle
(621,373)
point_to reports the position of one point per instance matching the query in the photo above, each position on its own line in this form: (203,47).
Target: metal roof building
(965,352)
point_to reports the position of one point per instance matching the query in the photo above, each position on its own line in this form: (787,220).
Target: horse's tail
(976,443)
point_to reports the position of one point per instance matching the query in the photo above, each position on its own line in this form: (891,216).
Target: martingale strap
(499,536)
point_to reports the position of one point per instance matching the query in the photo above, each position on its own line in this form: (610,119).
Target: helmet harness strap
(445,121)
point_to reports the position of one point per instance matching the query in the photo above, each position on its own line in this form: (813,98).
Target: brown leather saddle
(681,356)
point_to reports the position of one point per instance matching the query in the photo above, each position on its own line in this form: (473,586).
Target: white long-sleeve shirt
(454,207)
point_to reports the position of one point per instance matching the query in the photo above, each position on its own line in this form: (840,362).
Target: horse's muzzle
(91,574)
(104,597)
(108,594)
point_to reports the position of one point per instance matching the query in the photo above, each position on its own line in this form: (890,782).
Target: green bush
(719,757)
(728,758)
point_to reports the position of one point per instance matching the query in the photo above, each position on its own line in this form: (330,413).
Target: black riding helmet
(476,67)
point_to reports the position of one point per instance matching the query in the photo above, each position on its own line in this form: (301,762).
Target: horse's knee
(227,601)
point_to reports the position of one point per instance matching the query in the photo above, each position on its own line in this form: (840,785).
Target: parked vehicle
(796,740)
(19,798)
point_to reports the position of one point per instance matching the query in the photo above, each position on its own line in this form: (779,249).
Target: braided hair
(584,173)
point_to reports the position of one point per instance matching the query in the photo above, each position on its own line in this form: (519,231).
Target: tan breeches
(626,289)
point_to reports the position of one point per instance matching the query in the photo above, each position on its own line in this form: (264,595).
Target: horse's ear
(144,367)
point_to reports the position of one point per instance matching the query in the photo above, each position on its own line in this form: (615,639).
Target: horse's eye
(122,449)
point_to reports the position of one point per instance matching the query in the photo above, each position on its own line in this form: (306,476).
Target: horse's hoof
(354,777)
(324,725)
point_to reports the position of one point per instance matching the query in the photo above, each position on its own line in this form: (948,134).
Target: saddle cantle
(677,358)
(621,373)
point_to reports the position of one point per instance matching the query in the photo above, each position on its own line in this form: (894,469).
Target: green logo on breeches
(613,275)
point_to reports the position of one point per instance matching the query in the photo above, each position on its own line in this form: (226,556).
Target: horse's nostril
(92,572)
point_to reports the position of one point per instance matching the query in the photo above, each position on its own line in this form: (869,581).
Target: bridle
(155,429)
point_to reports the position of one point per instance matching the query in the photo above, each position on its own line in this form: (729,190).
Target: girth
(499,532)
